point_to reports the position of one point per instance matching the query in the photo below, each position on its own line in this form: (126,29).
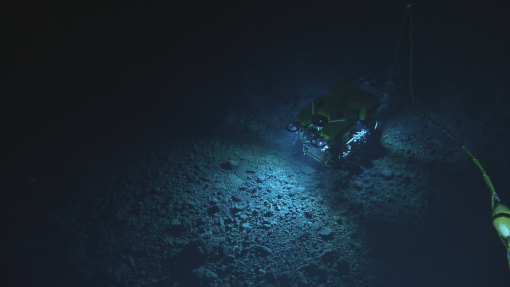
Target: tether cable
(495,198)
(500,213)
(398,47)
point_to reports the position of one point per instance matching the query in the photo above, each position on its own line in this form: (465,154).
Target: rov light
(318,142)
(292,128)
(356,138)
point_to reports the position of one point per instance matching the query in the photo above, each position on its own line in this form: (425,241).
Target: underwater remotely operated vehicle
(333,127)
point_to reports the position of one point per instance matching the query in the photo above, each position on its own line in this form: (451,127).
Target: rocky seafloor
(204,188)
(238,205)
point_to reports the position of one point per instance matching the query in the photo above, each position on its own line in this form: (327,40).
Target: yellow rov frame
(332,127)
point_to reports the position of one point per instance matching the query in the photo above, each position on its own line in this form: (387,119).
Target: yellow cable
(494,196)
(475,160)
(396,52)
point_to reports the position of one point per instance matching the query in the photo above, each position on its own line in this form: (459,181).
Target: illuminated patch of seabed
(302,217)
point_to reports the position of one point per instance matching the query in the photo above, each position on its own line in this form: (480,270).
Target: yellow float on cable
(501,221)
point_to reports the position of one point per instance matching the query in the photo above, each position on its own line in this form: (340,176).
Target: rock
(327,255)
(229,258)
(387,174)
(300,190)
(308,268)
(342,266)
(303,236)
(213,210)
(239,207)
(357,203)
(176,227)
(226,249)
(301,280)
(229,165)
(326,233)
(261,178)
(263,250)
(204,275)
(206,235)
(285,278)
(232,163)
(270,277)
